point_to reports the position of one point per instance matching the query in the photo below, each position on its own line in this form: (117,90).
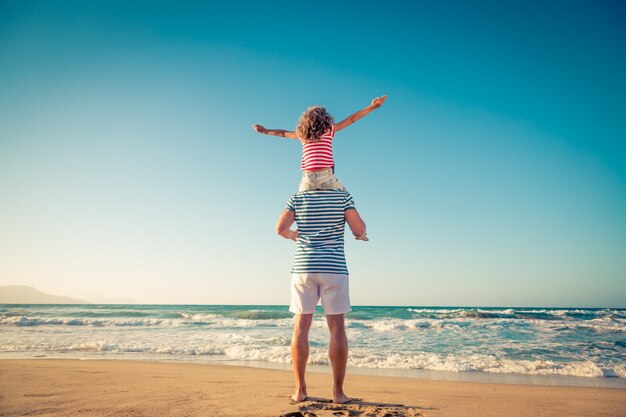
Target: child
(316,130)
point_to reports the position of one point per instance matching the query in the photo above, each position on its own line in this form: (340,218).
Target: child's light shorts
(321,180)
(308,289)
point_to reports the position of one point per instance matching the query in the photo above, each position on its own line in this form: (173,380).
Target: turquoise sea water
(561,342)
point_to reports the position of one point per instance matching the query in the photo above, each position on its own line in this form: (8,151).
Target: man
(320,272)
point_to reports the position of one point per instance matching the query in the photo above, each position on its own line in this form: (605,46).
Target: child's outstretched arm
(275,132)
(376,103)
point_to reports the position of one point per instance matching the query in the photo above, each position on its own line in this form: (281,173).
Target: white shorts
(320,180)
(308,289)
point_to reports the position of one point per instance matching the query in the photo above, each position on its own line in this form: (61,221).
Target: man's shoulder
(320,195)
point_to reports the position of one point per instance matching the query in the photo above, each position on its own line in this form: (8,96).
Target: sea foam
(532,341)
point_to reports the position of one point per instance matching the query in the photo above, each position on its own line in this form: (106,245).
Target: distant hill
(22,294)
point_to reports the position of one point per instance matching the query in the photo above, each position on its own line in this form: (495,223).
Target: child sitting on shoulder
(316,130)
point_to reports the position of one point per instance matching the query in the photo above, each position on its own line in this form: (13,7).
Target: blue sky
(495,173)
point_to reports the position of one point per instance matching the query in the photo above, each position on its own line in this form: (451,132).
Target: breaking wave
(532,341)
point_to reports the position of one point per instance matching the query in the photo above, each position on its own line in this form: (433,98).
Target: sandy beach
(134,388)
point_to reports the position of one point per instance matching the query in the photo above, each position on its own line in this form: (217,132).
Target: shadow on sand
(320,407)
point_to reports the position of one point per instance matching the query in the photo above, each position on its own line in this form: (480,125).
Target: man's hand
(378,101)
(285,220)
(363,238)
(259,128)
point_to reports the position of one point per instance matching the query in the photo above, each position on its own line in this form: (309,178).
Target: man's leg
(338,353)
(300,353)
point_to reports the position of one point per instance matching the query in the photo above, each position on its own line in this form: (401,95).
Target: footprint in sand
(354,409)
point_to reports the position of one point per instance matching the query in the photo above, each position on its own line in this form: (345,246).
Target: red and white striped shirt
(318,155)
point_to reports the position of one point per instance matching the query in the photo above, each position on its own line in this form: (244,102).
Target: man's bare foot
(341,398)
(298,397)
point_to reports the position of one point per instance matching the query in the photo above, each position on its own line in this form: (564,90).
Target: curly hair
(313,123)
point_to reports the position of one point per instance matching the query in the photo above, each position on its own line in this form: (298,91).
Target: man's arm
(357,225)
(285,220)
(275,132)
(376,103)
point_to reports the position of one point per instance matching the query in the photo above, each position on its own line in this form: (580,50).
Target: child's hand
(378,101)
(259,128)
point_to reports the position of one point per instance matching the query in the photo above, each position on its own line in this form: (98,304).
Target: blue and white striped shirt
(320,216)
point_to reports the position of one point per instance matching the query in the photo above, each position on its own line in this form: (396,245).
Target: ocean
(554,346)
